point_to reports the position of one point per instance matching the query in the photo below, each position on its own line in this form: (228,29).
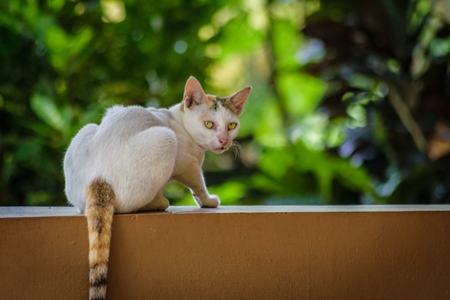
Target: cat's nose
(223,141)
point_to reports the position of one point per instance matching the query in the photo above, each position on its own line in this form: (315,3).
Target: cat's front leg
(195,182)
(212,201)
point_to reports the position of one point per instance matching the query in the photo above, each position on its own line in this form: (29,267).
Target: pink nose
(223,141)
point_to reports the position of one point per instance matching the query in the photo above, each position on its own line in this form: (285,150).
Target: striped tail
(99,213)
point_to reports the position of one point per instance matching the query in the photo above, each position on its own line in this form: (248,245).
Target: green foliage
(393,75)
(344,109)
(64,62)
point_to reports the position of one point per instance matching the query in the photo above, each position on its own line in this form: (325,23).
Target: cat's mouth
(219,150)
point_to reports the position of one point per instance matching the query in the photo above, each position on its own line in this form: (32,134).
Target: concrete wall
(233,253)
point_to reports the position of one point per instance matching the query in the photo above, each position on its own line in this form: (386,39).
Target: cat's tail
(99,213)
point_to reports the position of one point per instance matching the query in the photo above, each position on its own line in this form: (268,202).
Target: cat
(122,165)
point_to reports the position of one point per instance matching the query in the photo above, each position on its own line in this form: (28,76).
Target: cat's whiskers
(236,148)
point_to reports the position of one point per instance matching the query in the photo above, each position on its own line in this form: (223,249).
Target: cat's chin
(219,150)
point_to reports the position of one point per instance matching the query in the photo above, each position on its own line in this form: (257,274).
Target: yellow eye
(232,126)
(209,124)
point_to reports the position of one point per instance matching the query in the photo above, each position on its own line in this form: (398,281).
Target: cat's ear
(193,93)
(238,99)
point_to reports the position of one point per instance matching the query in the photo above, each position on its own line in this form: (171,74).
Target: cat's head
(212,121)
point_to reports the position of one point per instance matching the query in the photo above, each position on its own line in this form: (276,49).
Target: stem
(407,119)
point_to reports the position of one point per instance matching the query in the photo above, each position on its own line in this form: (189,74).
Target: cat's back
(121,122)
(135,116)
(118,125)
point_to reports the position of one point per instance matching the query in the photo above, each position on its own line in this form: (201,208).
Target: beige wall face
(240,254)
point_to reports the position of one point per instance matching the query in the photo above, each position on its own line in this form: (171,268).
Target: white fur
(135,158)
(138,150)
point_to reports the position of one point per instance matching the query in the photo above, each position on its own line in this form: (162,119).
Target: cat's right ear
(193,93)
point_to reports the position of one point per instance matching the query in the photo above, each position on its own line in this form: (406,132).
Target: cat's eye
(232,126)
(209,124)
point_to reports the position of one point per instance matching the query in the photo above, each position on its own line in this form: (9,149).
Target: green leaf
(302,92)
(231,192)
(46,110)
(276,161)
(55,5)
(80,41)
(240,37)
(58,45)
(286,42)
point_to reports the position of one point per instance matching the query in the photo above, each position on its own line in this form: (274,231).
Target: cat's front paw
(212,202)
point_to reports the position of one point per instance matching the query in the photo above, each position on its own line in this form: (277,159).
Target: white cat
(123,164)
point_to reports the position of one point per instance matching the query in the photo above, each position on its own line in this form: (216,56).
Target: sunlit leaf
(80,41)
(55,5)
(276,161)
(46,110)
(286,42)
(231,192)
(240,37)
(301,91)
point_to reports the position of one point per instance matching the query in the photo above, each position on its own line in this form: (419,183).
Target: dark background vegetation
(350,102)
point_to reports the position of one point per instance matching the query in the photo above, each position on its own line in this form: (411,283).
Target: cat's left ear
(238,99)
(193,93)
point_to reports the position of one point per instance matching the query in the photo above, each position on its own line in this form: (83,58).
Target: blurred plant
(284,139)
(386,64)
(63,62)
(349,102)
